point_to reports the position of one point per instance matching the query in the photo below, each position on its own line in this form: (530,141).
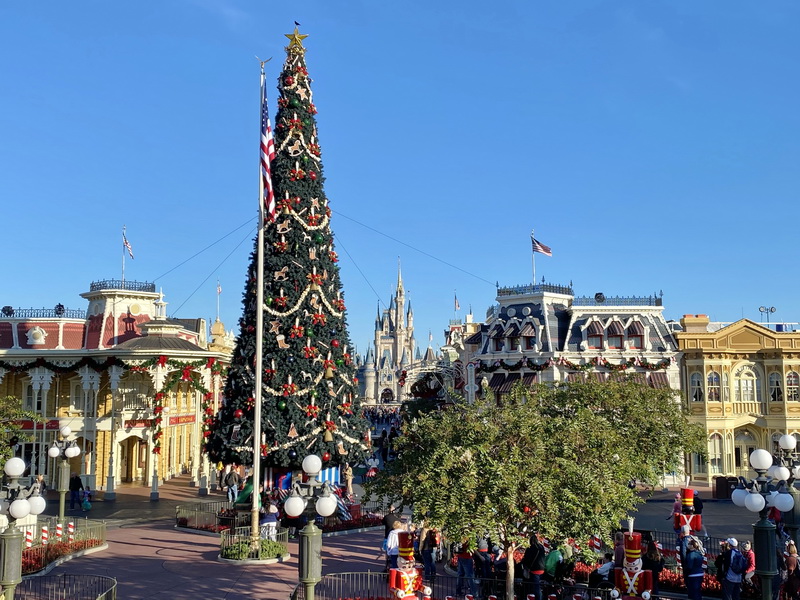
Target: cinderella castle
(393,355)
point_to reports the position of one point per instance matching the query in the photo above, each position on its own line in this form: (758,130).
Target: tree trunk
(510,573)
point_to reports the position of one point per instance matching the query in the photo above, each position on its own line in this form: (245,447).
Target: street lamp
(65,450)
(15,507)
(766,310)
(767,490)
(310,547)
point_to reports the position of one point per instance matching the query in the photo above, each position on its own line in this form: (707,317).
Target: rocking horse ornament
(406,580)
(631,580)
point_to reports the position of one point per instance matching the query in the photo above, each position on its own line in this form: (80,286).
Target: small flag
(537,246)
(267,156)
(127,244)
(219,288)
(456,305)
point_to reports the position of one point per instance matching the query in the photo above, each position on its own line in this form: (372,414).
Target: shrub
(243,550)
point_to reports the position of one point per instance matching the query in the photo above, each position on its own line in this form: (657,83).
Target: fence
(669,542)
(207,516)
(87,534)
(67,587)
(341,586)
(237,544)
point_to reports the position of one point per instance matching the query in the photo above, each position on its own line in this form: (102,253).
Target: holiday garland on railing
(181,372)
(523,363)
(86,361)
(600,362)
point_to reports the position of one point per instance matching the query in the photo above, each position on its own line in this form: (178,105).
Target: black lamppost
(65,450)
(298,503)
(767,490)
(15,506)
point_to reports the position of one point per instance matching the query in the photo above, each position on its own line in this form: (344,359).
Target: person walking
(466,569)
(698,510)
(429,542)
(393,544)
(533,563)
(75,489)
(653,561)
(693,569)
(232,480)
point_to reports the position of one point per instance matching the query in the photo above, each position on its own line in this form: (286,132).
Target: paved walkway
(150,559)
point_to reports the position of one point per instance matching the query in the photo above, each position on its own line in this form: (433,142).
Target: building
(741,383)
(132,384)
(543,333)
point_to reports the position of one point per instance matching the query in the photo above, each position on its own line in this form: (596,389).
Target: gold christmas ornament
(329,373)
(328,437)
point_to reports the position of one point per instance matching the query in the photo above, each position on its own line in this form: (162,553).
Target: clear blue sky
(653,145)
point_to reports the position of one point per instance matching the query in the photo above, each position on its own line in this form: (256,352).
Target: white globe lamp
(14,467)
(784,502)
(38,505)
(326,505)
(754,502)
(20,508)
(781,473)
(294,506)
(760,459)
(65,431)
(53,451)
(739,495)
(787,442)
(312,464)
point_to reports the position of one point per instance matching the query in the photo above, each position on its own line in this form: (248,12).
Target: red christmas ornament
(526,509)
(335,343)
(326,456)
(238,413)
(289,80)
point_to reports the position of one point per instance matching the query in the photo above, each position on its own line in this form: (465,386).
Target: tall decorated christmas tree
(310,401)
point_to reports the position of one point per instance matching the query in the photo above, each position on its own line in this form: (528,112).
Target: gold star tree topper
(296,41)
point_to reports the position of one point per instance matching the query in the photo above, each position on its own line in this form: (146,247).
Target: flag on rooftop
(127,244)
(540,247)
(456,305)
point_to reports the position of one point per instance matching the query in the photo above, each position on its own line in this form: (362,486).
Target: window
(513,343)
(636,341)
(792,386)
(33,399)
(76,398)
(530,343)
(747,387)
(595,341)
(712,383)
(615,342)
(498,344)
(696,387)
(715,452)
(725,389)
(698,463)
(775,391)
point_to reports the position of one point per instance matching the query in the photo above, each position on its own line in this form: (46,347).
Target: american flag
(538,246)
(267,156)
(219,288)
(127,244)
(456,305)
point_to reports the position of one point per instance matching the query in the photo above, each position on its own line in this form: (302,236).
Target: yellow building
(131,384)
(741,382)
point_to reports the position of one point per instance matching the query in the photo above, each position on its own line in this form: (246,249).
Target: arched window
(696,387)
(793,386)
(747,387)
(775,391)
(712,383)
(726,390)
(715,452)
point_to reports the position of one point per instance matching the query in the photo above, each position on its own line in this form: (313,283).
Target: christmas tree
(309,390)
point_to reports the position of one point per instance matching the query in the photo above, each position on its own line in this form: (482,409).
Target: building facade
(134,386)
(741,383)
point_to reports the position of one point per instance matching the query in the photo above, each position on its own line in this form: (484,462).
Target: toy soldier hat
(633,546)
(405,542)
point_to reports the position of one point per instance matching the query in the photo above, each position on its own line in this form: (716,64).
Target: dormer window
(594,335)
(528,335)
(615,334)
(636,335)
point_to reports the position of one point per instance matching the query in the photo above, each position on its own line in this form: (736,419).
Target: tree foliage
(552,459)
(11,434)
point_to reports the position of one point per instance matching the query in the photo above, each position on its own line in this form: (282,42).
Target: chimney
(695,323)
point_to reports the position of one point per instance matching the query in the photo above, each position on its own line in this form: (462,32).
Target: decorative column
(114,375)
(90,381)
(40,382)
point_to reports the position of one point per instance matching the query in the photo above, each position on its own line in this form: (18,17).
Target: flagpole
(256,496)
(218,292)
(123,257)
(533,260)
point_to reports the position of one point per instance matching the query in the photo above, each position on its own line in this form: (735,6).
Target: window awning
(595,328)
(573,377)
(511,380)
(597,376)
(511,331)
(636,328)
(658,380)
(616,376)
(639,378)
(496,381)
(497,332)
(615,328)
(528,331)
(475,338)
(528,379)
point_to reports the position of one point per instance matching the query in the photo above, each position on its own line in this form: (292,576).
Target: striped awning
(496,381)
(573,377)
(658,380)
(615,328)
(497,332)
(616,376)
(597,376)
(527,331)
(528,379)
(511,380)
(595,328)
(639,378)
(511,331)
(475,338)
(635,328)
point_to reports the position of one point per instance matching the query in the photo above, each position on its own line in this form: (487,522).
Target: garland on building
(523,363)
(601,362)
(86,361)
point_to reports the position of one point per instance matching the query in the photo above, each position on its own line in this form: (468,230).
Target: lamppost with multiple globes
(772,488)
(15,506)
(65,450)
(298,503)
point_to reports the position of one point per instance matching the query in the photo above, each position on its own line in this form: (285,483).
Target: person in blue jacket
(693,569)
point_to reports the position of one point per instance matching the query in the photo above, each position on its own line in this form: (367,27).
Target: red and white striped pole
(59,531)
(71,531)
(28,537)
(45,535)
(492,597)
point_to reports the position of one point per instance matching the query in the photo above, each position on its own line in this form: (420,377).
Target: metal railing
(67,587)
(43,313)
(237,543)
(87,534)
(518,290)
(375,585)
(118,284)
(617,301)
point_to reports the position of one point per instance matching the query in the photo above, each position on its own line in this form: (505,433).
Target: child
(86,504)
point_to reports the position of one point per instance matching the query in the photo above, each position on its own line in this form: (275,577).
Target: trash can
(722,490)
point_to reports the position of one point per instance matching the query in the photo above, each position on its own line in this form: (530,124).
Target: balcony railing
(617,301)
(67,587)
(42,313)
(519,290)
(118,284)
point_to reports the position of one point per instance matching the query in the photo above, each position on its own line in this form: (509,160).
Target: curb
(254,561)
(196,531)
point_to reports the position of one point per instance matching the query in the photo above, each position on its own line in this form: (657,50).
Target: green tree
(11,415)
(310,399)
(550,459)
